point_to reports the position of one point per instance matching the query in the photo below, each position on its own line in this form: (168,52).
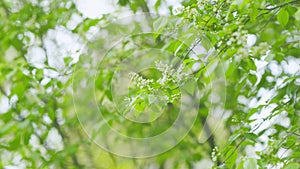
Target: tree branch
(65,137)
(3,91)
(237,146)
(210,137)
(280,6)
(145,9)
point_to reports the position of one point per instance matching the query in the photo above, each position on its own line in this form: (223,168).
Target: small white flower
(54,140)
(261,49)
(242,53)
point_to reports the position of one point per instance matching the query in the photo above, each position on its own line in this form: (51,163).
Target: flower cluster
(241,54)
(129,101)
(191,13)
(167,85)
(239,37)
(214,155)
(255,51)
(261,49)
(174,97)
(141,82)
(169,73)
(215,5)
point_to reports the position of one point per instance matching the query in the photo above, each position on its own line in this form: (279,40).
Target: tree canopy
(150,84)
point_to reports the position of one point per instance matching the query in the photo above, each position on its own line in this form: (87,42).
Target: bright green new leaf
(292,166)
(189,86)
(250,163)
(297,15)
(283,17)
(160,24)
(231,157)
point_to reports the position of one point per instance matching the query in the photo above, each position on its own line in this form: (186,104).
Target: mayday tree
(151,84)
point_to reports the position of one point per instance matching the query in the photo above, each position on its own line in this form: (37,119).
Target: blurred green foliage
(252,132)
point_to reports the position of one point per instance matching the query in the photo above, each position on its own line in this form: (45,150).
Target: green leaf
(250,163)
(241,165)
(254,14)
(251,136)
(39,74)
(160,24)
(19,89)
(254,110)
(67,60)
(297,15)
(231,157)
(283,17)
(157,4)
(15,143)
(109,95)
(252,78)
(140,107)
(292,166)
(151,99)
(233,137)
(134,7)
(89,23)
(123,2)
(27,135)
(189,86)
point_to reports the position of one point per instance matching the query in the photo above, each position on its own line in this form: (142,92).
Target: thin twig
(280,6)
(237,146)
(219,7)
(269,20)
(3,91)
(65,138)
